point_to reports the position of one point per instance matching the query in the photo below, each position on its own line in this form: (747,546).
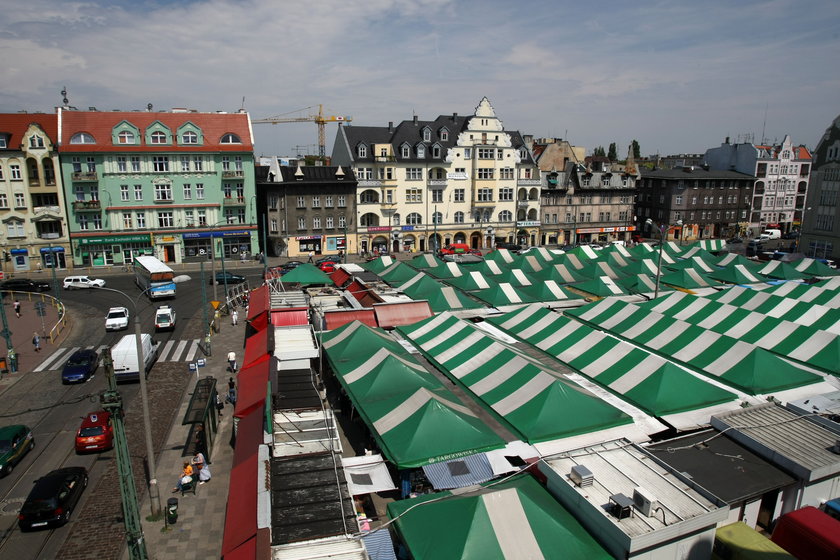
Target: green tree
(637,151)
(612,154)
(599,151)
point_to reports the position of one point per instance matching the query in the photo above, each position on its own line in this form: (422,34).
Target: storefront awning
(367,474)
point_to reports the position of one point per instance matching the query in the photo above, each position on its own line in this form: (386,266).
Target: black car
(53,498)
(509,246)
(791,235)
(227,278)
(734,240)
(80,366)
(24,285)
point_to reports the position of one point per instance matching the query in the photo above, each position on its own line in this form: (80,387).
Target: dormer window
(158,137)
(4,142)
(421,151)
(36,141)
(427,135)
(189,138)
(444,135)
(125,137)
(82,138)
(231,138)
(523,153)
(405,151)
(362,150)
(436,151)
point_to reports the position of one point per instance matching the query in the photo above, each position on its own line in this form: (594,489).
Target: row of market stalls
(524,373)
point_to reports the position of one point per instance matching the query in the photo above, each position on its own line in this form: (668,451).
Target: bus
(153,276)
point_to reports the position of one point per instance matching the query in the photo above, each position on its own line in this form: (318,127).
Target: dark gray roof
(692,173)
(721,466)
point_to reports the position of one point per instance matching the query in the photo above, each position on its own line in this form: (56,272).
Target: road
(54,411)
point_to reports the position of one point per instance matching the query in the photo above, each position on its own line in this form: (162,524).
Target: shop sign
(107,239)
(166,239)
(308,238)
(20,251)
(379,228)
(204,234)
(528,224)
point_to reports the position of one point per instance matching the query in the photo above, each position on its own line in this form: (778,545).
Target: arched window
(190,138)
(369,196)
(414,219)
(405,151)
(369,219)
(361,150)
(437,218)
(82,138)
(459,217)
(231,138)
(505,216)
(125,137)
(36,141)
(395,219)
(158,137)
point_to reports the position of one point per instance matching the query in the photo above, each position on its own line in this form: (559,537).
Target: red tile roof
(15,124)
(100,125)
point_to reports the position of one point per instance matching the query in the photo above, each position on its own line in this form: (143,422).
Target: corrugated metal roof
(335,548)
(404,313)
(459,473)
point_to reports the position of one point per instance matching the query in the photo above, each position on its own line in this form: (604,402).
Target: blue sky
(677,76)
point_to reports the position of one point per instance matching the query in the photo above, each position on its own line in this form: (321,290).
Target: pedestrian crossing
(169,351)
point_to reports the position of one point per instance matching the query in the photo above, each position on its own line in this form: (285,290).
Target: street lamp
(154,491)
(662,229)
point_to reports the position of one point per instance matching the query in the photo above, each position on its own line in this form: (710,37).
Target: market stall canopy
(737,274)
(367,474)
(689,278)
(780,271)
(306,275)
(803,313)
(815,293)
(814,267)
(602,286)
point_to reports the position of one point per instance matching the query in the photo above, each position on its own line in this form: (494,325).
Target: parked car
(15,442)
(24,285)
(117,319)
(80,366)
(164,318)
(509,246)
(227,278)
(327,266)
(734,241)
(791,235)
(52,499)
(95,433)
(79,282)
(754,247)
(328,258)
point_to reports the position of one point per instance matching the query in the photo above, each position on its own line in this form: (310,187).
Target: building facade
(693,202)
(425,184)
(821,223)
(307,208)
(178,185)
(782,173)
(34,233)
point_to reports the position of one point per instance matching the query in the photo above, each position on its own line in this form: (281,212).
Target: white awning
(367,474)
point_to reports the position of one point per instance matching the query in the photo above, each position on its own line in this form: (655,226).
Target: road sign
(215,304)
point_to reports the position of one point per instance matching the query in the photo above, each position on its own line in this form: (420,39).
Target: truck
(127,366)
(739,541)
(808,534)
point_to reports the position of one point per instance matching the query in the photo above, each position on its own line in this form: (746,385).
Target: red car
(95,433)
(327,266)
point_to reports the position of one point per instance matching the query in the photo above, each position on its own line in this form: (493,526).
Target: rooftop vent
(581,476)
(621,507)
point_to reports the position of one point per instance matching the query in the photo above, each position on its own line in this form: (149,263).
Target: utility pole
(111,401)
(206,330)
(7,334)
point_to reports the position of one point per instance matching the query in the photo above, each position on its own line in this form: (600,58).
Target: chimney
(415,120)
(454,116)
(727,140)
(390,126)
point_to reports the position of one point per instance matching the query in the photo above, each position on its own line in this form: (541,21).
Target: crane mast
(319,119)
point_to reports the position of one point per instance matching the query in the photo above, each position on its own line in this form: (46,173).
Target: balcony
(163,200)
(85,177)
(528,182)
(384,159)
(368,183)
(233,174)
(522,203)
(232,201)
(437,183)
(50,235)
(86,206)
(54,211)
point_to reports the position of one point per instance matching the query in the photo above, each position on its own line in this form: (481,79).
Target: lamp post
(662,229)
(154,491)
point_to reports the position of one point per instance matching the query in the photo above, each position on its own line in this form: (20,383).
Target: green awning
(307,275)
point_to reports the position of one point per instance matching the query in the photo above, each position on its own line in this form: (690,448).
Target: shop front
(604,234)
(374,239)
(20,260)
(234,244)
(53,257)
(107,250)
(309,243)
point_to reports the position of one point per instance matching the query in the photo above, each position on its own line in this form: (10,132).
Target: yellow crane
(320,119)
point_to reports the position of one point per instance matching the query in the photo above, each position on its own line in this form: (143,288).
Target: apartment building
(821,221)
(425,184)
(178,185)
(34,233)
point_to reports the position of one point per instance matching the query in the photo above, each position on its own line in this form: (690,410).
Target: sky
(678,76)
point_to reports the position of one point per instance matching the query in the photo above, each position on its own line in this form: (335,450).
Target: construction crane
(318,119)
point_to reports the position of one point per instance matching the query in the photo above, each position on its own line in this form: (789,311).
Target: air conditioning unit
(581,476)
(644,501)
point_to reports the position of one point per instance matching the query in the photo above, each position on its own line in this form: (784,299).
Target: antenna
(242,108)
(64,95)
(763,126)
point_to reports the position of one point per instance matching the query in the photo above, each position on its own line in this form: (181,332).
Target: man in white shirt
(231,358)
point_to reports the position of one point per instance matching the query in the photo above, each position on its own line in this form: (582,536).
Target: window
(82,138)
(189,217)
(485,195)
(436,151)
(458,195)
(421,151)
(486,153)
(160,163)
(158,137)
(342,201)
(506,173)
(316,222)
(122,164)
(444,135)
(329,222)
(485,172)
(301,202)
(328,201)
(20,200)
(678,199)
(165,219)
(506,193)
(163,191)
(301,223)
(128,221)
(405,151)
(202,217)
(198,163)
(414,174)
(3,141)
(190,138)
(505,216)
(90,161)
(135,164)
(361,150)
(414,195)
(467,153)
(124,196)
(316,201)
(230,138)
(83,223)
(459,217)
(187,191)
(437,195)
(395,219)
(125,137)
(36,141)
(138,192)
(4,200)
(185,164)
(385,173)
(364,173)
(427,135)
(414,219)
(272,225)
(225,163)
(437,218)
(199,191)
(14,172)
(141,220)
(342,222)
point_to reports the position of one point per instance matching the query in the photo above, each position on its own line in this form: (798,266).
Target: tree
(637,152)
(599,151)
(612,154)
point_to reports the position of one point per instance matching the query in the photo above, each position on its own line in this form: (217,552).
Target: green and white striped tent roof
(597,269)
(696,263)
(808,294)
(537,405)
(674,249)
(711,244)
(803,313)
(532,263)
(446,269)
(641,284)
(646,380)
(780,271)
(642,250)
(516,277)
(440,297)
(814,267)
(397,274)
(500,256)
(489,268)
(425,260)
(832,283)
(502,295)
(615,259)
(689,279)
(808,345)
(617,249)
(472,280)
(583,252)
(573,261)
(415,419)
(561,273)
(698,252)
(549,291)
(601,286)
(737,274)
(378,265)
(647,265)
(734,258)
(740,365)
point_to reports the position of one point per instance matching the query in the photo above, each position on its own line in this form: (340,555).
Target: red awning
(258,302)
(341,317)
(241,514)
(368,298)
(356,289)
(340,277)
(256,349)
(252,383)
(403,313)
(290,316)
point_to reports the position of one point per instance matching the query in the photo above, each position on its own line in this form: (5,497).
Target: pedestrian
(231,397)
(200,464)
(231,383)
(17,307)
(311,254)
(231,358)
(36,342)
(201,440)
(186,478)
(234,317)
(220,404)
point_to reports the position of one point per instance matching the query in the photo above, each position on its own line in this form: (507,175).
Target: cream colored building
(425,184)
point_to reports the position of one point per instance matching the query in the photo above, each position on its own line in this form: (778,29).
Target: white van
(124,355)
(771,234)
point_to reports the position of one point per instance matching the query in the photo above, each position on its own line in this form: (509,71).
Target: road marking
(192,351)
(60,352)
(58,358)
(176,355)
(165,352)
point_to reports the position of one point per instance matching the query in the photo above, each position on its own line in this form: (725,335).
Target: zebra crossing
(169,351)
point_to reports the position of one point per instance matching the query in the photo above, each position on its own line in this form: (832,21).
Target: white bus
(153,276)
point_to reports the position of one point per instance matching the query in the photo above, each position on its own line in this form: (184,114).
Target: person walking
(231,358)
(36,342)
(17,308)
(234,317)
(311,254)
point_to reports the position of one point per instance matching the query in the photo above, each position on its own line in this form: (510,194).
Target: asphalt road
(54,411)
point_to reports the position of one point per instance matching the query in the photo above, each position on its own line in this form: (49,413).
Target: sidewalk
(24,327)
(199,530)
